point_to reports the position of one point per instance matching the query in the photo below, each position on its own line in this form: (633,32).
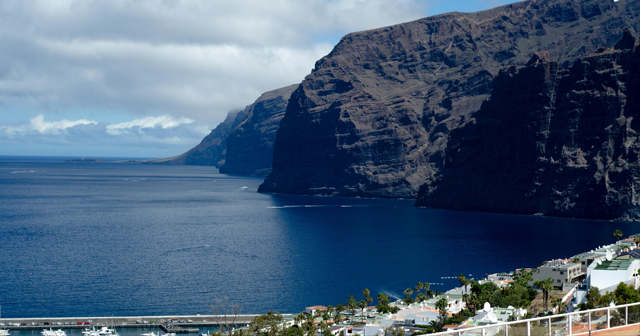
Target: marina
(169,324)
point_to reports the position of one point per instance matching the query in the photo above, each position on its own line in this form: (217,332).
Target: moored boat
(51,332)
(150,334)
(104,331)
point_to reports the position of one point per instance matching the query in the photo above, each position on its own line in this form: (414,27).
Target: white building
(311,310)
(560,271)
(607,274)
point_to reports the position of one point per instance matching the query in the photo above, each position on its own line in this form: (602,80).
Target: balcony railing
(595,321)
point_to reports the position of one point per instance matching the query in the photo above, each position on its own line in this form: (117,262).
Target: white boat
(90,332)
(150,334)
(104,331)
(4,332)
(51,332)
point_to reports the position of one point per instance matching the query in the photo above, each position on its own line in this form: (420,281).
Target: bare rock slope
(373,117)
(551,140)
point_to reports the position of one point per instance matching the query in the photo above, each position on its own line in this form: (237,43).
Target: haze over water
(119,239)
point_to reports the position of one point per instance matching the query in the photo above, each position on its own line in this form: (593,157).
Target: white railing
(576,323)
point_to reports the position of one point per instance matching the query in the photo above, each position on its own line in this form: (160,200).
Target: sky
(151,78)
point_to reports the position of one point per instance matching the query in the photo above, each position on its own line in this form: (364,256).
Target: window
(559,281)
(561,272)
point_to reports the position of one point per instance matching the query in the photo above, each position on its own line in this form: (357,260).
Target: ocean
(105,239)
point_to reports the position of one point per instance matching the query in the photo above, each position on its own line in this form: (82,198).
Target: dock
(174,323)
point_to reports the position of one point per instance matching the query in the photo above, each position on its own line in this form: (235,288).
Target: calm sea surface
(117,239)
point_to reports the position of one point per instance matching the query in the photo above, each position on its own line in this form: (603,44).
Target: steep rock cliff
(212,149)
(372,118)
(551,141)
(250,144)
(243,143)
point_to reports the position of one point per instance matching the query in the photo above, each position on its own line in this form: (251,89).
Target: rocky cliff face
(243,143)
(373,117)
(212,149)
(250,144)
(552,141)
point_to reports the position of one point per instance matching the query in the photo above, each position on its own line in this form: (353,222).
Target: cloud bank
(154,72)
(184,58)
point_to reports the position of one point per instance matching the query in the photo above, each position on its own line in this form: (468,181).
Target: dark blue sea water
(117,239)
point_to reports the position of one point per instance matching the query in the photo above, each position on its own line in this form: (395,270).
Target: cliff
(373,117)
(551,141)
(250,144)
(243,143)
(212,149)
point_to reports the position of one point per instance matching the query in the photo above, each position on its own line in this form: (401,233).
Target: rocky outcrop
(211,150)
(250,144)
(551,141)
(373,117)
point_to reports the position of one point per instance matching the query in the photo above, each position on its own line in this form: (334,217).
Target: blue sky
(129,78)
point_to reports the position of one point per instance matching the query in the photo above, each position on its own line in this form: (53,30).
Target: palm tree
(636,239)
(545,286)
(408,292)
(352,304)
(367,297)
(557,302)
(430,293)
(617,234)
(363,304)
(298,319)
(420,297)
(462,279)
(407,299)
(383,299)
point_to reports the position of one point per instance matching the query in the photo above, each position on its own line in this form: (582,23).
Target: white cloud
(164,122)
(184,58)
(161,131)
(55,127)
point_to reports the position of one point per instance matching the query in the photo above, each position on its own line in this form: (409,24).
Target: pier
(173,323)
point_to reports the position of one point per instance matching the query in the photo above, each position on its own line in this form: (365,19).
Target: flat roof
(614,265)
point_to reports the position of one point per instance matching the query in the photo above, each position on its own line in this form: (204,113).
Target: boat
(4,332)
(51,332)
(104,331)
(90,332)
(150,334)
